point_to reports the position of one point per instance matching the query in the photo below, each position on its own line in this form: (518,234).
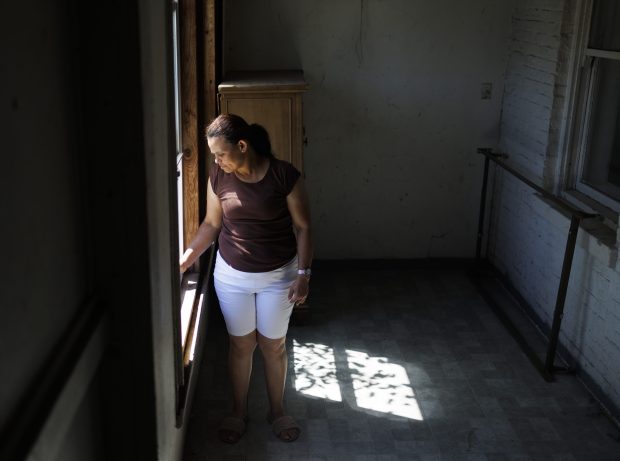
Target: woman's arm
(207,232)
(299,207)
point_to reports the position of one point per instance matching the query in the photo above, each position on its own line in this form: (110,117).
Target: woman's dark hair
(234,128)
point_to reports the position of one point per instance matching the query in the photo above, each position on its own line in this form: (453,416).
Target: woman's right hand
(207,231)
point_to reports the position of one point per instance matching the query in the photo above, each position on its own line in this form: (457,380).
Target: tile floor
(403,365)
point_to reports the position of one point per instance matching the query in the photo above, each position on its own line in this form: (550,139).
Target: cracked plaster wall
(393,116)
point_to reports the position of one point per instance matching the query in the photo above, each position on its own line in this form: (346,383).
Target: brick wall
(527,237)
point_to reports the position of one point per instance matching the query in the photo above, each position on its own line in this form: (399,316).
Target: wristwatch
(307,272)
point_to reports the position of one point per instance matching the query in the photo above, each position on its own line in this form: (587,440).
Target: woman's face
(228,156)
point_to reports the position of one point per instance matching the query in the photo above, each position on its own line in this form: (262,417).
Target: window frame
(195,28)
(178,111)
(585,65)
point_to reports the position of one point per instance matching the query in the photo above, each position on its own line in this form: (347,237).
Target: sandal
(232,429)
(283,424)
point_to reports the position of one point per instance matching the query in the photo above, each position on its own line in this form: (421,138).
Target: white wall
(528,238)
(393,115)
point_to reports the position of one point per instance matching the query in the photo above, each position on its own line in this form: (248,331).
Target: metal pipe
(558,313)
(576,217)
(496,157)
(483,199)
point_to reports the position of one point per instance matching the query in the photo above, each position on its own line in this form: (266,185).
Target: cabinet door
(278,113)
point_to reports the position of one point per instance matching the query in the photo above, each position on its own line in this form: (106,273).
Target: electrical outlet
(486,90)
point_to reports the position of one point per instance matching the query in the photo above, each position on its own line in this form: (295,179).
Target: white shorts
(255,301)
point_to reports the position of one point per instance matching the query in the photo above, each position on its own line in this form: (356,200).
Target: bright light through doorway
(378,385)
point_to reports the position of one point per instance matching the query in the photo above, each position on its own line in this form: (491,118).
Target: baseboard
(413,263)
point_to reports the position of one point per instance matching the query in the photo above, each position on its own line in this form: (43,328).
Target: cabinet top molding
(283,80)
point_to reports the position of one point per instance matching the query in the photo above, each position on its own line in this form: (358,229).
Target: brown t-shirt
(257,228)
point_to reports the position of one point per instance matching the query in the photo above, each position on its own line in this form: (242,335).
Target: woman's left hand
(299,290)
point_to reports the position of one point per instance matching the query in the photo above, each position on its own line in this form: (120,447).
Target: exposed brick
(528,238)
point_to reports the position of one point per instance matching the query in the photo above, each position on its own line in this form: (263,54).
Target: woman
(258,207)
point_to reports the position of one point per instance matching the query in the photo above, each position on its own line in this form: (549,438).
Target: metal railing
(548,368)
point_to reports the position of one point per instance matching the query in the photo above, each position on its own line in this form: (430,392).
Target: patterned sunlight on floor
(315,371)
(378,385)
(382,386)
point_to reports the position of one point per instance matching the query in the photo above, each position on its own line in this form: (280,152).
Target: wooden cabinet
(272,99)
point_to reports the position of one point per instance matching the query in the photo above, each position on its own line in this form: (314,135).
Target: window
(193,57)
(176,52)
(596,163)
(188,310)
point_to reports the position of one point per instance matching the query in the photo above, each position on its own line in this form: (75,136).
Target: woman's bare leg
(276,361)
(240,355)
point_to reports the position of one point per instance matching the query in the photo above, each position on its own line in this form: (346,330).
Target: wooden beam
(211,36)
(210,61)
(189,118)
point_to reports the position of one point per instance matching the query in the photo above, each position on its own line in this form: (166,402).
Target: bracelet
(307,272)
